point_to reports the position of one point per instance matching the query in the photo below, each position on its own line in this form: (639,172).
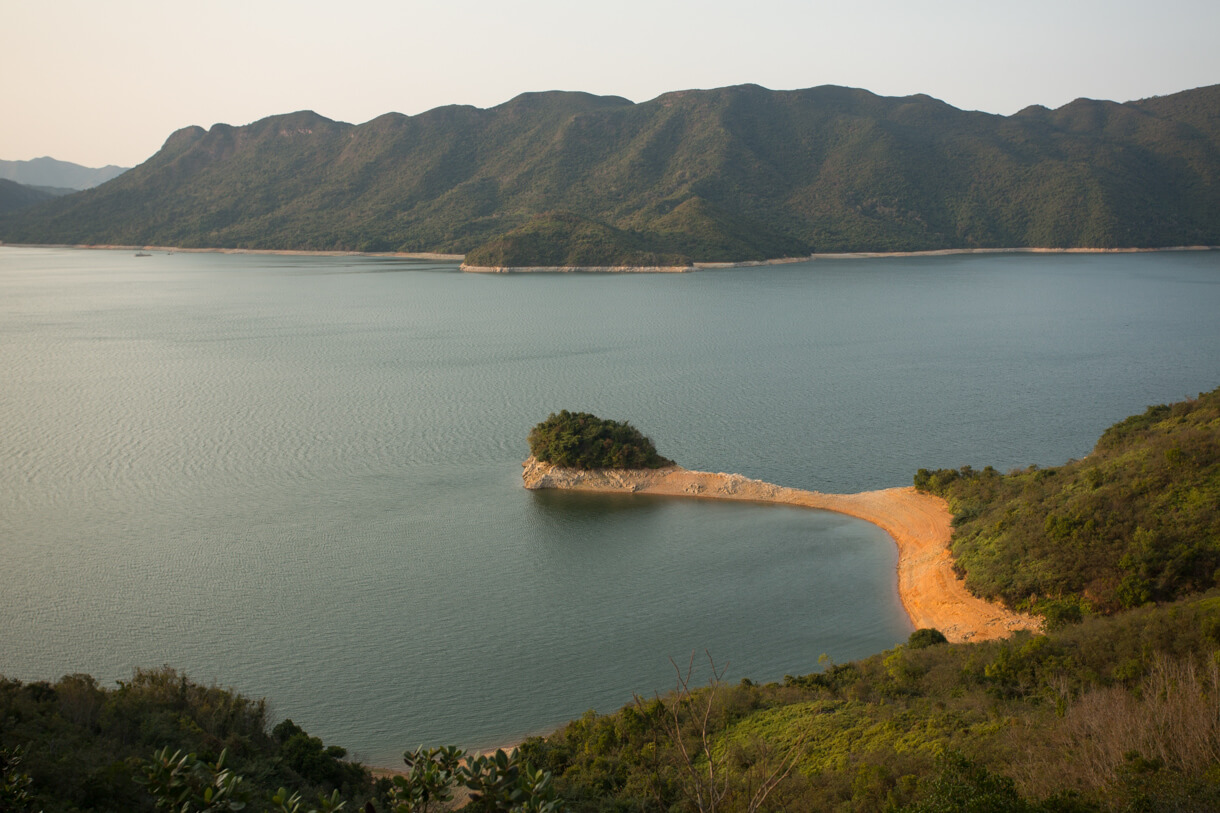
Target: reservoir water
(300,476)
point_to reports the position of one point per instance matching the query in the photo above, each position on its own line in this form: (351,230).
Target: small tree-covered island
(580,440)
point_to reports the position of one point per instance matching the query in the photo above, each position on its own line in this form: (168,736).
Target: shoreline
(946,252)
(920,525)
(845,255)
(281,252)
(577,269)
(615,269)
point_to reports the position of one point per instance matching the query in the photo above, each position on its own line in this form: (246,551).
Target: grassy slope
(727,174)
(1030,712)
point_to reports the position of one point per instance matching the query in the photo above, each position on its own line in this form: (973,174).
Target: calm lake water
(300,476)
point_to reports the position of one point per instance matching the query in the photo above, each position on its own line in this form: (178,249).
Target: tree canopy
(584,441)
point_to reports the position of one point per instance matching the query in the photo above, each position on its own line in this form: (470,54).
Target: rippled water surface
(300,476)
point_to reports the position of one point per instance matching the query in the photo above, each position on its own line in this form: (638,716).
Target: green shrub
(926,637)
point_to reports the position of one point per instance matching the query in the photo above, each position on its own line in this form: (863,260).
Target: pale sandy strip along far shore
(931,592)
(853,255)
(945,252)
(652,269)
(407,255)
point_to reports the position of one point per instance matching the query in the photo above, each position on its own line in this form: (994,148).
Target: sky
(100,83)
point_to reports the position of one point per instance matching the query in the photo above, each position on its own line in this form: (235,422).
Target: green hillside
(734,173)
(1138,520)
(1118,713)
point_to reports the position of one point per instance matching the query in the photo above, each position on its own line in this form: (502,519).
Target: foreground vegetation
(1114,713)
(737,173)
(584,441)
(1117,707)
(82,745)
(161,741)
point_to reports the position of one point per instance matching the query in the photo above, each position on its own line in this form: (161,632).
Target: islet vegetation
(582,440)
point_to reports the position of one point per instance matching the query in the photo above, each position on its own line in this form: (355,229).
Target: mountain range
(63,175)
(17,196)
(730,174)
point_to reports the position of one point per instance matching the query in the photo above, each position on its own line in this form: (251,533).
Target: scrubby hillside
(1117,713)
(1138,520)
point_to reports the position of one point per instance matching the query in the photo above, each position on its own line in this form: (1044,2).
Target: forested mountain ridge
(734,173)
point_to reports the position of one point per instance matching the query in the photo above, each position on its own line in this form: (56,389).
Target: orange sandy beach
(931,592)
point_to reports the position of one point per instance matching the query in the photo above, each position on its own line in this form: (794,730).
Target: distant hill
(58,174)
(734,173)
(17,196)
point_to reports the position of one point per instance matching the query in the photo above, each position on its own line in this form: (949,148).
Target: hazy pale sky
(107,82)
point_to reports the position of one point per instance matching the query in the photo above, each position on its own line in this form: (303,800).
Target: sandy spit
(931,592)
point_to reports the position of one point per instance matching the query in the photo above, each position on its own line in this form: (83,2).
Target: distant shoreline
(285,252)
(578,269)
(944,252)
(845,255)
(601,269)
